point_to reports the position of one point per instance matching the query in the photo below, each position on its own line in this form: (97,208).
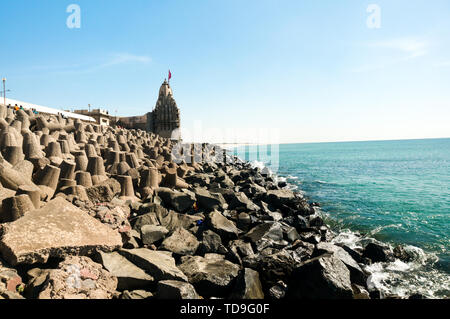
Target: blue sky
(306,71)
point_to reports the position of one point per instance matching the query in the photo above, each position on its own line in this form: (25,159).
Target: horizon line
(355,141)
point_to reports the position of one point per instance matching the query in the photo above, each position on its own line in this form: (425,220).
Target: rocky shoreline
(96,212)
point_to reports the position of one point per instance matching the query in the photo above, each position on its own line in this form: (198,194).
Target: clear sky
(304,71)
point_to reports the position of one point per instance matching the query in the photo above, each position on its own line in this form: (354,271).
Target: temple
(164,120)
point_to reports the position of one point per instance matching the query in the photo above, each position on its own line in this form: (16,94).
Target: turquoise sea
(394,191)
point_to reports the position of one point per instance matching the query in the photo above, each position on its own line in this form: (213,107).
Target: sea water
(396,192)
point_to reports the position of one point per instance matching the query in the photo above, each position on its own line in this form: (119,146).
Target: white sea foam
(380,228)
(348,238)
(399,277)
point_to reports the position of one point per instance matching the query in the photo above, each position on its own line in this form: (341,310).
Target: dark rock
(312,236)
(359,292)
(180,242)
(289,233)
(299,222)
(282,184)
(242,248)
(355,254)
(324,277)
(241,202)
(304,209)
(302,249)
(357,275)
(222,226)
(174,289)
(224,181)
(200,179)
(265,231)
(152,233)
(378,252)
(279,197)
(211,243)
(244,221)
(272,267)
(173,220)
(129,276)
(248,285)
(146,219)
(180,201)
(315,220)
(159,265)
(208,200)
(401,253)
(212,276)
(278,291)
(238,249)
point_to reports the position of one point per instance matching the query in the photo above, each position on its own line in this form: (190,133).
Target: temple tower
(165,118)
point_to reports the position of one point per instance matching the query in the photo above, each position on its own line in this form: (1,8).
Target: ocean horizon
(395,191)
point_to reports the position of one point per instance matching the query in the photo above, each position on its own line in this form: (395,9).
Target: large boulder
(159,265)
(279,197)
(272,266)
(150,213)
(180,242)
(239,249)
(212,276)
(208,200)
(266,234)
(79,278)
(248,285)
(129,276)
(180,201)
(241,202)
(357,275)
(58,229)
(158,215)
(222,226)
(174,289)
(323,277)
(174,220)
(211,243)
(378,252)
(152,233)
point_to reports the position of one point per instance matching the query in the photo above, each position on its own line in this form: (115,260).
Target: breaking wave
(418,276)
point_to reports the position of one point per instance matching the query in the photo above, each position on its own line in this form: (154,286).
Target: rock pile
(90,211)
